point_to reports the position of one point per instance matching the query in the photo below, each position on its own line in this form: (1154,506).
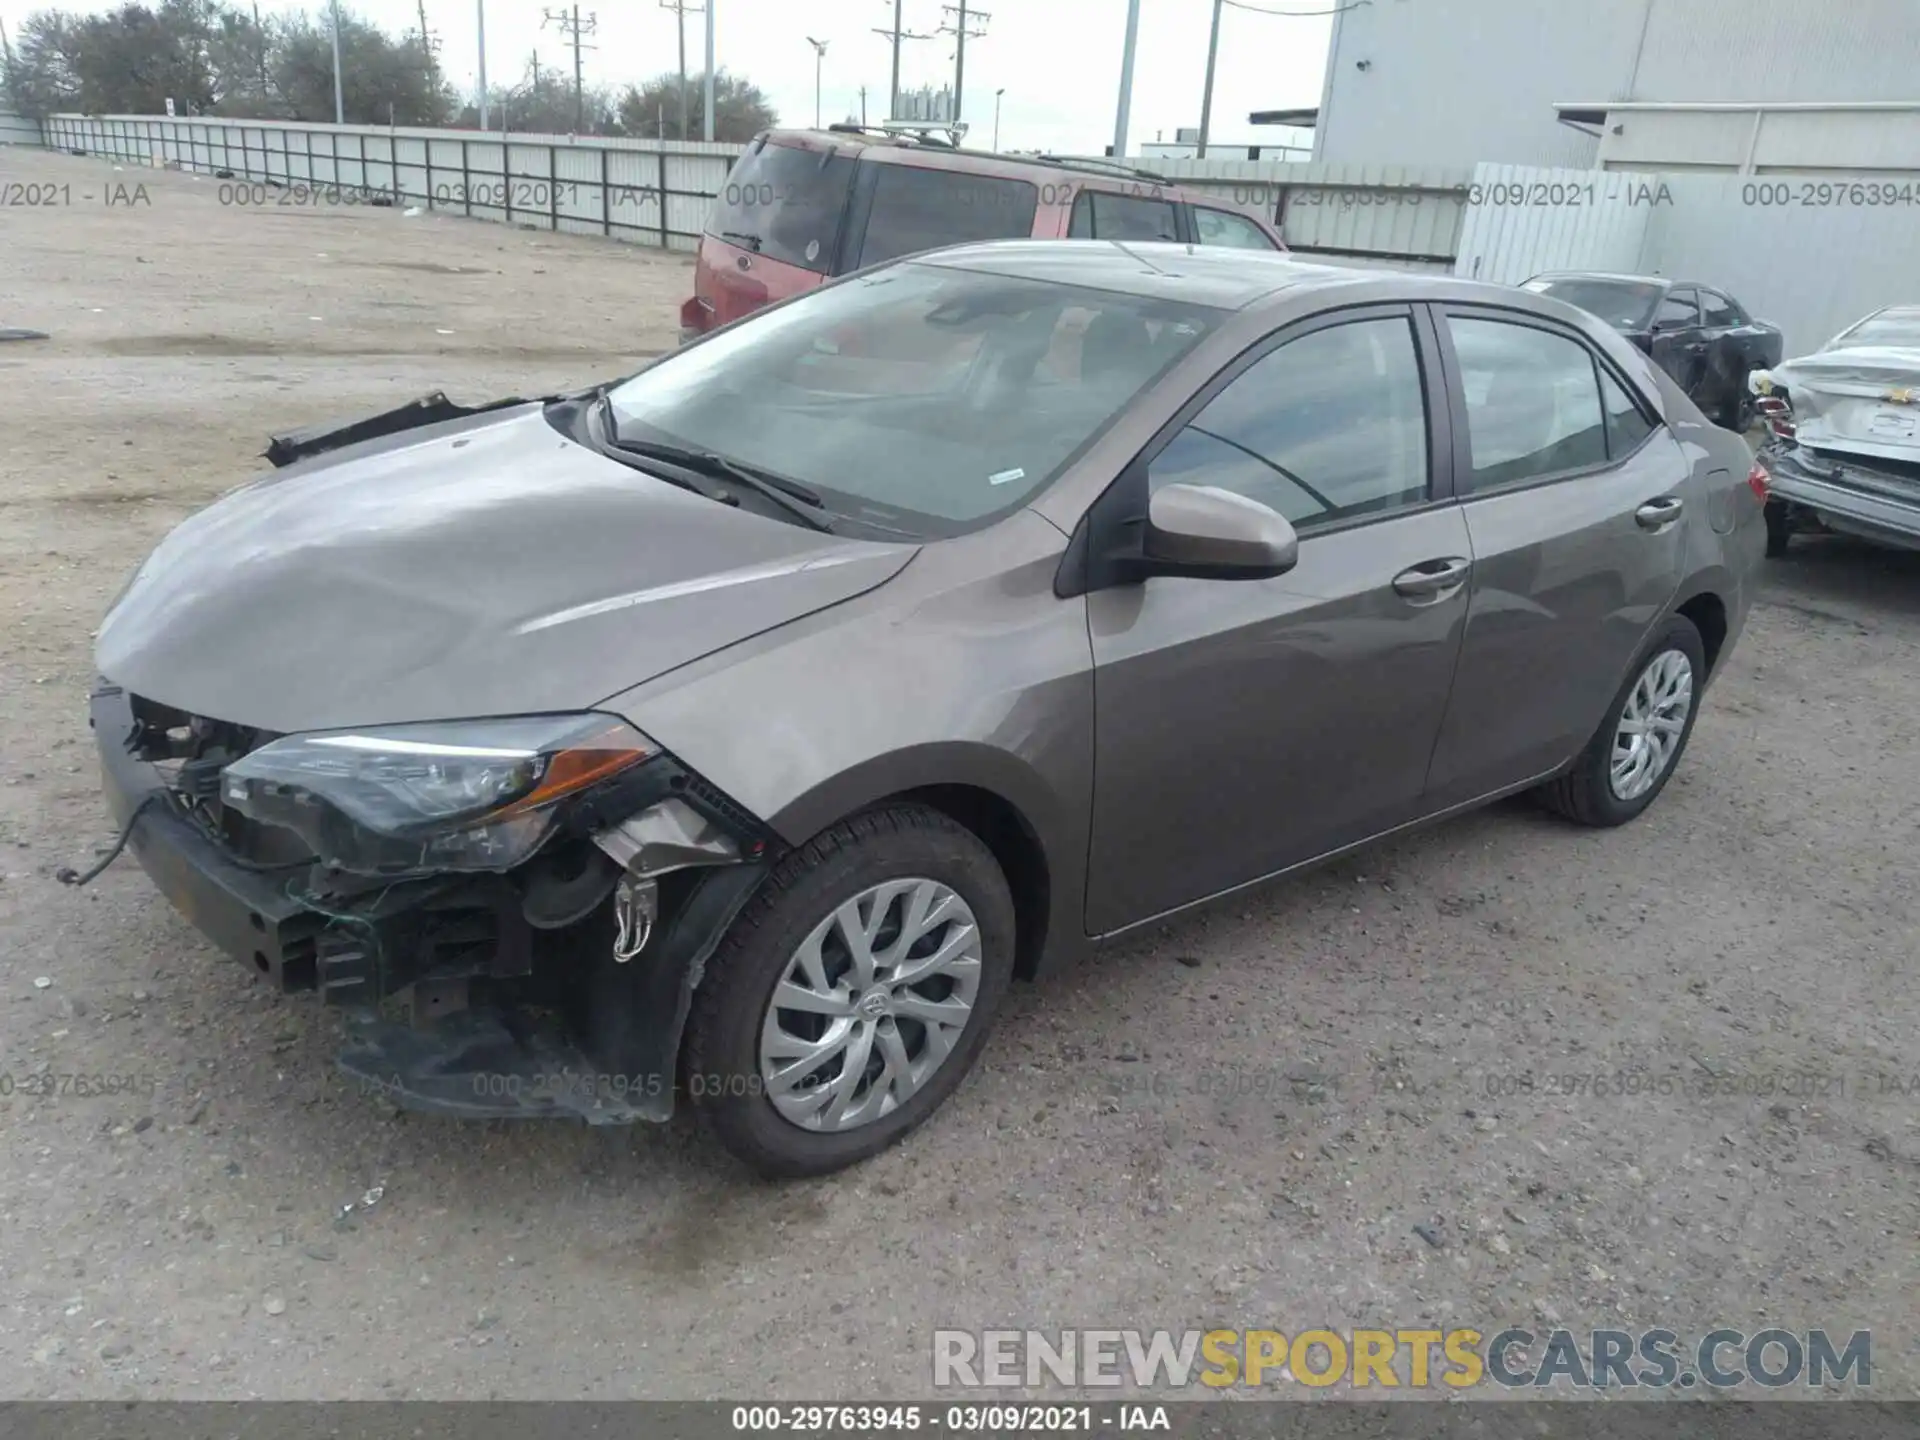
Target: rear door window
(919,208)
(1533,402)
(1718,311)
(1223,227)
(785,203)
(1102,215)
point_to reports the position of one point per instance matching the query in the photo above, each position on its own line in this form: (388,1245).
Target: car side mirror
(1207,533)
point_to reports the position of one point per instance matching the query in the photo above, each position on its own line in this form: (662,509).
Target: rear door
(1242,727)
(1679,344)
(1575,502)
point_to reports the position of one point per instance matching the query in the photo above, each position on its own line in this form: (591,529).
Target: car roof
(1231,279)
(1669,282)
(1218,276)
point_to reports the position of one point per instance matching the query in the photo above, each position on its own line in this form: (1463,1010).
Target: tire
(1586,793)
(888,856)
(1779,528)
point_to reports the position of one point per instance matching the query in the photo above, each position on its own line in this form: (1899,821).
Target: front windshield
(1897,329)
(918,398)
(1623,304)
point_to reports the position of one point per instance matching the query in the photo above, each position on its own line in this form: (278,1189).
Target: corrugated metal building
(1454,82)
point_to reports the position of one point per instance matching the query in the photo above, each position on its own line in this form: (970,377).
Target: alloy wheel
(870,1005)
(1651,724)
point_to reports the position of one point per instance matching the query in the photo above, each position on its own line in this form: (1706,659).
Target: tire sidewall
(1677,633)
(759,957)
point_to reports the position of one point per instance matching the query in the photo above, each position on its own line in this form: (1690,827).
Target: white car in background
(1843,447)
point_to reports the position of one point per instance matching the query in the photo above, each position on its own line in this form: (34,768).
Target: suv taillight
(1757,481)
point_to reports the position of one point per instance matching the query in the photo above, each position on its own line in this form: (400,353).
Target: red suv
(803,205)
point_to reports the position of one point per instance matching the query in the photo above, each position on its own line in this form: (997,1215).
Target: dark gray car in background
(741,729)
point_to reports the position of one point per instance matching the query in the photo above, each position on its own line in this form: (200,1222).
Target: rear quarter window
(917,208)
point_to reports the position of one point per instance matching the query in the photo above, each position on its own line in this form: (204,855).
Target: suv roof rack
(941,134)
(1105,167)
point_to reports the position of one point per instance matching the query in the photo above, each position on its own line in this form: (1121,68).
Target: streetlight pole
(1206,94)
(819,59)
(1126,79)
(480,15)
(339,103)
(710,5)
(996,116)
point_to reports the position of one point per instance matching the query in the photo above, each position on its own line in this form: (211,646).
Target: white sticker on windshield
(1006,477)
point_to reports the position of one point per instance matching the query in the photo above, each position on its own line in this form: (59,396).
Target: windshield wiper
(789,495)
(752,242)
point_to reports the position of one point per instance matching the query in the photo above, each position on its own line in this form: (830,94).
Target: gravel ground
(1236,1120)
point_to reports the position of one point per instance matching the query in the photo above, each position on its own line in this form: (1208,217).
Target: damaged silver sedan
(1843,444)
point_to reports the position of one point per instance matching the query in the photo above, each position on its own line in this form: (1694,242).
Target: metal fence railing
(18,129)
(639,191)
(644,191)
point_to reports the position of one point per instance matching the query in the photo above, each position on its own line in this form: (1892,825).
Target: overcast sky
(1058,60)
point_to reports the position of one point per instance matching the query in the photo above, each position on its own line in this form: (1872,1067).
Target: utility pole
(896,35)
(339,102)
(960,31)
(570,24)
(428,44)
(680,9)
(996,116)
(1126,80)
(259,45)
(863,107)
(1206,92)
(819,60)
(710,5)
(480,14)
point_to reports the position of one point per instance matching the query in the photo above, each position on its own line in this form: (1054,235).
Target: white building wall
(1467,81)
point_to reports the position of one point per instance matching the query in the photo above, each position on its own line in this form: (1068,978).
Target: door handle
(1658,514)
(1432,579)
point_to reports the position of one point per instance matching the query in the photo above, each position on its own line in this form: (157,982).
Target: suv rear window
(785,203)
(919,207)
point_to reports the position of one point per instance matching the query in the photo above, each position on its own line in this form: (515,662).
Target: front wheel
(1633,754)
(853,994)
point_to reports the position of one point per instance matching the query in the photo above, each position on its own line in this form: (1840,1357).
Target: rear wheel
(853,994)
(1633,754)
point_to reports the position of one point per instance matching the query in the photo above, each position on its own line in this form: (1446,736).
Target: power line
(571,24)
(896,35)
(961,33)
(1296,14)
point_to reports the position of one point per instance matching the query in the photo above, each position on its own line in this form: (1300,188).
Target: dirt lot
(1236,1121)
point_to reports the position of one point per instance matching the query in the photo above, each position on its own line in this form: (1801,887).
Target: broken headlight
(400,799)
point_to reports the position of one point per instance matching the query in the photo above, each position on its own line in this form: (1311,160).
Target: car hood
(1863,400)
(484,566)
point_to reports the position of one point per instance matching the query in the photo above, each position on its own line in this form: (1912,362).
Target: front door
(1242,727)
(1575,500)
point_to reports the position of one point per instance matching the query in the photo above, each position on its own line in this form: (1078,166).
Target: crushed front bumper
(247,913)
(1852,496)
(493,1061)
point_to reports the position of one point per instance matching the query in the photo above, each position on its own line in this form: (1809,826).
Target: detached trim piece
(283,450)
(9,332)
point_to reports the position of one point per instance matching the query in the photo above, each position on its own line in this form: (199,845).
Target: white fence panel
(18,129)
(1523,219)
